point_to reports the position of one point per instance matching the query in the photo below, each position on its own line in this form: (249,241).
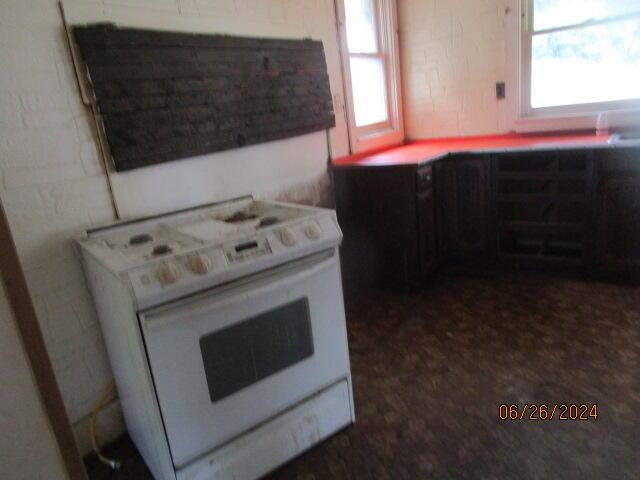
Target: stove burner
(161,250)
(140,239)
(240,216)
(267,221)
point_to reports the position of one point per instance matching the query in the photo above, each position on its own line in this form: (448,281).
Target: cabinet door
(444,205)
(427,231)
(462,205)
(377,213)
(619,224)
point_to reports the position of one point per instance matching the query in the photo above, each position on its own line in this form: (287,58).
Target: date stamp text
(546,412)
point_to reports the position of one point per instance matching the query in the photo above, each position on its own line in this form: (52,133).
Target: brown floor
(430,369)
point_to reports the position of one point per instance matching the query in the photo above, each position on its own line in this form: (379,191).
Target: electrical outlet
(500,90)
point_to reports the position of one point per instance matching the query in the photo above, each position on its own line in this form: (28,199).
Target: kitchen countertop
(424,151)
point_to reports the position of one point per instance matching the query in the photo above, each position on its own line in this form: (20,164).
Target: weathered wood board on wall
(164,96)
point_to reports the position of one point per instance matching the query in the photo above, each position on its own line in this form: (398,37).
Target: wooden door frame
(33,341)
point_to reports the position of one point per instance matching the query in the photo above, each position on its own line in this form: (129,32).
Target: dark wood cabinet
(559,210)
(618,213)
(543,203)
(388,219)
(620,222)
(377,211)
(462,191)
(426,213)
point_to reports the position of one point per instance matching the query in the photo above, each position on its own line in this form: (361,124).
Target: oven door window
(247,352)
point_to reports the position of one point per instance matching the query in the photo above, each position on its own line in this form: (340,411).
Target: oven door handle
(239,291)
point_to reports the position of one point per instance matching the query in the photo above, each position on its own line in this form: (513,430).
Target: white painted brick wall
(51,181)
(27,446)
(452,54)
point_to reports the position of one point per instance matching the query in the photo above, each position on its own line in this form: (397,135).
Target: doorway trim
(33,341)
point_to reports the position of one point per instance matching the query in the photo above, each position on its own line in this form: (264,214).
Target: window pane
(361,26)
(369,92)
(586,65)
(558,13)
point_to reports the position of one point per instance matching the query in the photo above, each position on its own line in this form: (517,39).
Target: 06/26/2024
(546,412)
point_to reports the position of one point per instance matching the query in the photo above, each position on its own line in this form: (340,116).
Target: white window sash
(588,23)
(391,131)
(526,41)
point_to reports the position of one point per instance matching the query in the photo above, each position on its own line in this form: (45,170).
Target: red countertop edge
(420,151)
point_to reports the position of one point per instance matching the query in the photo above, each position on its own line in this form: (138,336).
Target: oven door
(233,357)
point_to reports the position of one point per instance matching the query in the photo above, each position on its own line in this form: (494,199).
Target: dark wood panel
(233,101)
(221,93)
(573,211)
(617,214)
(619,224)
(192,146)
(462,190)
(164,96)
(153,70)
(123,134)
(100,35)
(544,207)
(427,231)
(619,162)
(123,55)
(377,212)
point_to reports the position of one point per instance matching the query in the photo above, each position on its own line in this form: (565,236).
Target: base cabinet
(620,222)
(462,206)
(378,211)
(618,215)
(569,210)
(543,209)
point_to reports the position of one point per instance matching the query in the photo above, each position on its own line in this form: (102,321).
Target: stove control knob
(168,273)
(200,263)
(312,231)
(287,237)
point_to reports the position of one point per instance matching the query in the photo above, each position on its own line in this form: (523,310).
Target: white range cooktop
(176,253)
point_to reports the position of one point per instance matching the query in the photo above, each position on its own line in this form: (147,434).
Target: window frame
(391,131)
(564,117)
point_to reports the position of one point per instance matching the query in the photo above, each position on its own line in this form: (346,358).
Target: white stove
(226,332)
(172,255)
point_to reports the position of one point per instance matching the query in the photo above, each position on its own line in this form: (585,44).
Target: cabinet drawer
(520,163)
(623,162)
(425,179)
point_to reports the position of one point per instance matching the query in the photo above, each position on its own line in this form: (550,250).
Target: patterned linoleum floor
(430,369)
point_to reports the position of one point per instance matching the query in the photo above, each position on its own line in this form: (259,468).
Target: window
(579,56)
(370,59)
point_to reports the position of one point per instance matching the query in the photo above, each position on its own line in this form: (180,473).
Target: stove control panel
(313,231)
(249,250)
(200,263)
(287,237)
(168,273)
(179,274)
(299,234)
(177,271)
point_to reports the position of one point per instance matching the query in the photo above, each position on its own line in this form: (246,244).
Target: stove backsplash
(317,192)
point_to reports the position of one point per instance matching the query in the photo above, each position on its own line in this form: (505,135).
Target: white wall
(28,449)
(452,54)
(51,181)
